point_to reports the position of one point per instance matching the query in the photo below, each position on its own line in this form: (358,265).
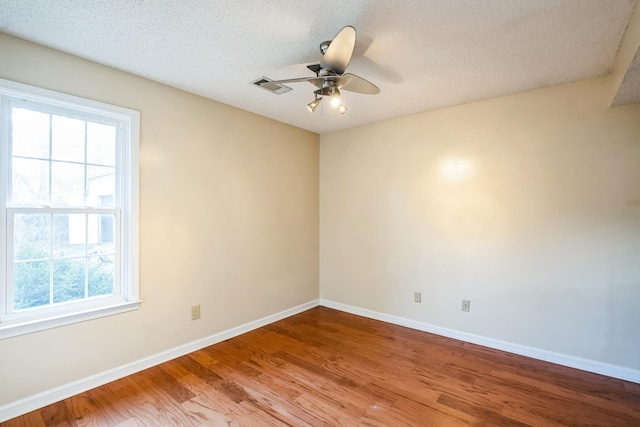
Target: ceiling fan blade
(338,54)
(353,83)
(319,81)
(298,80)
(316,81)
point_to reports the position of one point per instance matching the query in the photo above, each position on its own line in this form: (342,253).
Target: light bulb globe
(313,104)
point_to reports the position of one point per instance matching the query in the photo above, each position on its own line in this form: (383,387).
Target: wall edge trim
(594,366)
(39,400)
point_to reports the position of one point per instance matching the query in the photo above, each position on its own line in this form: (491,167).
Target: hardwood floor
(328,368)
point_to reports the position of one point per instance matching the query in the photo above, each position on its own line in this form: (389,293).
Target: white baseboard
(31,403)
(594,366)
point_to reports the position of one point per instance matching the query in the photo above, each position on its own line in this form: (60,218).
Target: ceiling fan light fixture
(342,108)
(335,97)
(314,104)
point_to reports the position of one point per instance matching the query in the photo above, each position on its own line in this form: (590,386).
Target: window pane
(101,234)
(30,133)
(101,272)
(101,183)
(69,235)
(29,182)
(68,139)
(67,184)
(31,236)
(68,279)
(101,144)
(106,229)
(30,284)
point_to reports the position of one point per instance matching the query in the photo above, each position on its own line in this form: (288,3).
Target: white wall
(527,205)
(229,220)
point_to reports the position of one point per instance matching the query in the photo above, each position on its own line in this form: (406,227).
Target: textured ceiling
(422,54)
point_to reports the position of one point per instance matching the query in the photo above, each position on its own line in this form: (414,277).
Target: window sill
(12,329)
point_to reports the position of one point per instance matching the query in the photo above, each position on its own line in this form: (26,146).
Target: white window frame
(126,238)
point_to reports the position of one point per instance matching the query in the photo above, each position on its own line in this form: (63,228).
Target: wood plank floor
(328,368)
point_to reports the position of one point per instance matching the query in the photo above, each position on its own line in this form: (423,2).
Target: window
(68,209)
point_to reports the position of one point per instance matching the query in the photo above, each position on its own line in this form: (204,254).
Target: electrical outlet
(466,305)
(195,312)
(417,297)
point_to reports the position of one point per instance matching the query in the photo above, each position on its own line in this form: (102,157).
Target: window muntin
(68,207)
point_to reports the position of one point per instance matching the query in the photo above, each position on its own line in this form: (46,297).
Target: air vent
(269,85)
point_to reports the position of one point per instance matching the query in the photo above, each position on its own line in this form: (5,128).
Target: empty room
(303,213)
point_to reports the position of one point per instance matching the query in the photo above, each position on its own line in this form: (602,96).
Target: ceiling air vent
(269,85)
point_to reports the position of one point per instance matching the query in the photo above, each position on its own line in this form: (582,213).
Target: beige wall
(228,220)
(527,205)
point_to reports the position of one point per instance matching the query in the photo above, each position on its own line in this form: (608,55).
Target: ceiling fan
(330,72)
